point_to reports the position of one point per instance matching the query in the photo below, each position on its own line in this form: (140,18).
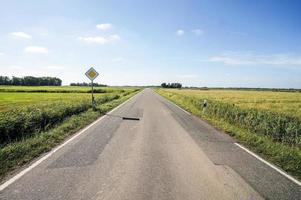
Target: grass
(24,113)
(22,122)
(220,114)
(18,153)
(13,100)
(12,97)
(281,102)
(11,88)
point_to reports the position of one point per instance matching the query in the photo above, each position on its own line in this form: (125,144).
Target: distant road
(167,154)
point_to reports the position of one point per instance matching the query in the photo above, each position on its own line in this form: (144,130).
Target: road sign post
(92,91)
(92,74)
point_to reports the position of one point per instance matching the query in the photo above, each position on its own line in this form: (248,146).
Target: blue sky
(225,43)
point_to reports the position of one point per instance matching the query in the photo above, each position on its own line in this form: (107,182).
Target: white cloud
(1,54)
(197,32)
(96,39)
(36,49)
(188,76)
(104,27)
(231,60)
(54,67)
(180,32)
(16,67)
(114,37)
(253,59)
(100,39)
(118,59)
(21,35)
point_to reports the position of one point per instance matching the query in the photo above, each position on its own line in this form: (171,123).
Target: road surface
(167,154)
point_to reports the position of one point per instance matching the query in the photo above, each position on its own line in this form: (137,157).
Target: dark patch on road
(221,150)
(130,118)
(87,150)
(134,114)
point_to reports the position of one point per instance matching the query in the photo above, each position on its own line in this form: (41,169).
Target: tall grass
(22,122)
(58,90)
(281,102)
(280,127)
(18,153)
(274,136)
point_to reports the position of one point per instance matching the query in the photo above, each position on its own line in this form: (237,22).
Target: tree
(5,80)
(31,81)
(171,85)
(16,81)
(163,85)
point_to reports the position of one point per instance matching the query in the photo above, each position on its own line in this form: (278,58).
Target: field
(267,122)
(34,119)
(26,112)
(12,97)
(282,102)
(14,100)
(53,89)
(273,114)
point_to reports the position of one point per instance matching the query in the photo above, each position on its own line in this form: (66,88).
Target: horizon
(196,43)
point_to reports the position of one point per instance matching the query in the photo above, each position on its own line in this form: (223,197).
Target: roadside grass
(281,102)
(17,154)
(52,89)
(22,122)
(282,155)
(63,89)
(12,100)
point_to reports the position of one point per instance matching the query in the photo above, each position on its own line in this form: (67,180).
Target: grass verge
(17,154)
(286,157)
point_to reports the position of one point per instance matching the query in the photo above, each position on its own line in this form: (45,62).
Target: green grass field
(24,112)
(267,122)
(9,88)
(35,119)
(282,102)
(13,100)
(58,89)
(10,98)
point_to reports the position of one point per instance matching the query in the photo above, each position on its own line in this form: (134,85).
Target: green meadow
(35,119)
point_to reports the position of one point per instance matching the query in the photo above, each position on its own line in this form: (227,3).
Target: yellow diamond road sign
(92,74)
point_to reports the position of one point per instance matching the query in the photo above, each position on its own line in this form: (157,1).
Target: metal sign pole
(92,74)
(93,106)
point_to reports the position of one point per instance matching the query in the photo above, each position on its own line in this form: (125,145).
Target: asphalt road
(167,154)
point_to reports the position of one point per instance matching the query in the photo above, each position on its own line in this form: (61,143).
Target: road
(167,154)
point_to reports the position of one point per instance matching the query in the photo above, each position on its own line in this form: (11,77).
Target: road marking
(23,172)
(269,164)
(253,154)
(188,113)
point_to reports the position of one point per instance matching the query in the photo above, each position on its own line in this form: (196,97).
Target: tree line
(171,85)
(88,84)
(30,81)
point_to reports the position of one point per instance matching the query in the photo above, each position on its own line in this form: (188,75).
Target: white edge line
(188,113)
(23,172)
(180,108)
(253,154)
(269,164)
